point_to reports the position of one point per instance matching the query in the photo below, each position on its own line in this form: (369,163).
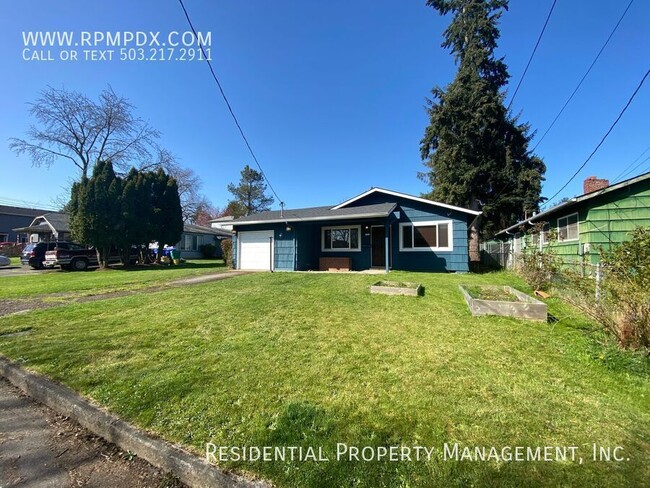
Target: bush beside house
(226,251)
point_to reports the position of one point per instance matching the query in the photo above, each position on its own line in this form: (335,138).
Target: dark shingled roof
(199,229)
(58,220)
(22,211)
(317,213)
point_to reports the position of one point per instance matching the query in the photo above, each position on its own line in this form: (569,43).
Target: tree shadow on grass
(215,265)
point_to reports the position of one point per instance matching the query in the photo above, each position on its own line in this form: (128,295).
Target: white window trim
(541,236)
(349,249)
(566,217)
(450,247)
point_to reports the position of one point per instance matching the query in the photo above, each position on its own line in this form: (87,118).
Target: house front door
(378,244)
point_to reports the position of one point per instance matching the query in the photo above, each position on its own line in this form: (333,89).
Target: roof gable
(405,196)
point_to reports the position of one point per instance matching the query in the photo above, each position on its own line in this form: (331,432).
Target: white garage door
(255,248)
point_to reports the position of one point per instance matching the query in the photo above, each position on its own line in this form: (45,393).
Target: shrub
(12,250)
(207,250)
(537,267)
(627,278)
(620,303)
(226,250)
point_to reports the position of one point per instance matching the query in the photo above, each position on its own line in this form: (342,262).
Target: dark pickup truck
(78,258)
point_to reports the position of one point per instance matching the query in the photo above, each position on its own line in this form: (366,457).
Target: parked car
(4,260)
(78,258)
(34,253)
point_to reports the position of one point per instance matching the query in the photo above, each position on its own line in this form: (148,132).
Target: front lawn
(297,359)
(96,281)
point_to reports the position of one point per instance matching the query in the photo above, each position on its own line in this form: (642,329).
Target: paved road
(40,449)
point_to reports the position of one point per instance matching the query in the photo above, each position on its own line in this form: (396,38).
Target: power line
(539,38)
(627,169)
(232,113)
(604,137)
(584,76)
(633,169)
(17,203)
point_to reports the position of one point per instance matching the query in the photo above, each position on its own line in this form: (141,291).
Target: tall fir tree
(476,154)
(250,194)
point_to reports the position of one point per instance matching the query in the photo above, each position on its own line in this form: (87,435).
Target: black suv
(34,254)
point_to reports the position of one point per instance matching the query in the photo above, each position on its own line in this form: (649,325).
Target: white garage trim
(256,250)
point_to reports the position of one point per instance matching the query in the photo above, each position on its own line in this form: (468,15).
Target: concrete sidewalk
(39,448)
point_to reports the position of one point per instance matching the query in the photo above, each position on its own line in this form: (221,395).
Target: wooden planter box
(334,264)
(525,307)
(396,288)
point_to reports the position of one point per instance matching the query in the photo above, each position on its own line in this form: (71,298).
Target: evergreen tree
(135,208)
(250,194)
(475,152)
(96,210)
(167,214)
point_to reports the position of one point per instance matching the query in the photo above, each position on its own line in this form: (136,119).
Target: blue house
(377,229)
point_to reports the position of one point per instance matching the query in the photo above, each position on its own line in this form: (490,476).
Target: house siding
(8,222)
(283,245)
(300,248)
(603,222)
(202,239)
(412,211)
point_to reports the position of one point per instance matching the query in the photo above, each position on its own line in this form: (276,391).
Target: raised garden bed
(503,300)
(397,288)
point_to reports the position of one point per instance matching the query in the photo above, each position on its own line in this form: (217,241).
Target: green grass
(314,359)
(490,293)
(395,284)
(96,281)
(15,261)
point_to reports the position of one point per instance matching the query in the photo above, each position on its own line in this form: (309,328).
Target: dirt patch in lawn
(24,305)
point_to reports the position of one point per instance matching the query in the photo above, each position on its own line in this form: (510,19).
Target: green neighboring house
(601,218)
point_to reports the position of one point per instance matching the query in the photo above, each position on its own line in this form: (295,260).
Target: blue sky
(331,94)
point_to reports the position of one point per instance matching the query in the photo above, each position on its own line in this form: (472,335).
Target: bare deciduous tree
(71,126)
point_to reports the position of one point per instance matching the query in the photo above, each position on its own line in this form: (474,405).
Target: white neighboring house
(194,236)
(51,226)
(223,223)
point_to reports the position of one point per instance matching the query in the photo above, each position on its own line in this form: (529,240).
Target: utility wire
(627,169)
(539,38)
(584,76)
(625,175)
(604,137)
(232,113)
(19,203)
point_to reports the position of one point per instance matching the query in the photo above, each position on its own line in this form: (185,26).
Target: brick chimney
(592,183)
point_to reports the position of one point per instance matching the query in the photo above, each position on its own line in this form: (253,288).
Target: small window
(423,236)
(567,228)
(4,237)
(545,236)
(407,236)
(341,239)
(186,243)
